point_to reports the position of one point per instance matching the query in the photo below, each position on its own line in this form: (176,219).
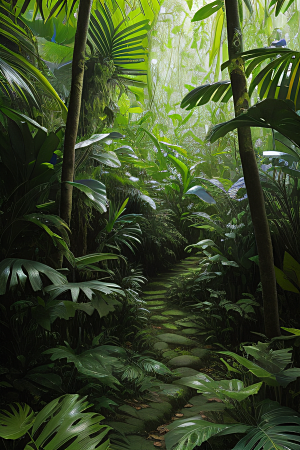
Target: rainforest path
(176,344)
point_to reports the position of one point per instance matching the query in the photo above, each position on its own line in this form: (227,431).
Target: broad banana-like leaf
(95,192)
(219,91)
(96,139)
(21,270)
(107,158)
(269,113)
(207,10)
(201,193)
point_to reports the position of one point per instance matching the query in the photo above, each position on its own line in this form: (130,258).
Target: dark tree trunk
(74,109)
(251,174)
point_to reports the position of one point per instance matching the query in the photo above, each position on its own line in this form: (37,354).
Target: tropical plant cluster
(156,172)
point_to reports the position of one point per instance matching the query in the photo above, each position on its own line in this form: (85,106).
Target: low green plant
(62,421)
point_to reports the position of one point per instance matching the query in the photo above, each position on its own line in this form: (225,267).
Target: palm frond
(122,41)
(18,271)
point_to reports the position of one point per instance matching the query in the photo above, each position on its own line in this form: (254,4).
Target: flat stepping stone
(190,331)
(154,292)
(153,297)
(155,302)
(147,414)
(139,443)
(159,284)
(187,324)
(170,326)
(171,338)
(202,404)
(174,312)
(158,318)
(184,372)
(200,352)
(154,308)
(170,354)
(161,346)
(127,427)
(162,407)
(185,361)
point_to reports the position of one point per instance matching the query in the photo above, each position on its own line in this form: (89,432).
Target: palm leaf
(270,113)
(16,421)
(281,5)
(16,70)
(278,428)
(22,270)
(220,91)
(122,41)
(89,288)
(280,78)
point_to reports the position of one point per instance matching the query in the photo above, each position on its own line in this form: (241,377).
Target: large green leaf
(258,371)
(21,270)
(278,429)
(107,158)
(183,170)
(188,433)
(15,421)
(93,363)
(275,362)
(95,191)
(201,193)
(64,422)
(284,282)
(207,10)
(223,389)
(269,113)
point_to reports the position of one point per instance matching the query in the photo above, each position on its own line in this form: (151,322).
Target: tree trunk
(74,109)
(251,174)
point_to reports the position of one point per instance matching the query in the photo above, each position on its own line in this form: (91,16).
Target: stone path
(176,344)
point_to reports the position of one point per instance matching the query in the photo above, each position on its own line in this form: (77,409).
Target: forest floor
(176,343)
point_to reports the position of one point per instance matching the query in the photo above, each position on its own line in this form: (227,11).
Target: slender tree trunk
(251,174)
(74,109)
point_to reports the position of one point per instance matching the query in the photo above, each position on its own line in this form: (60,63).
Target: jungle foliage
(155,178)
